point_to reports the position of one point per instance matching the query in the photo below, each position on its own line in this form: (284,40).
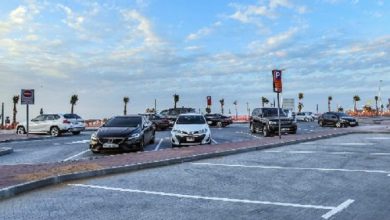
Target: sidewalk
(10,135)
(15,179)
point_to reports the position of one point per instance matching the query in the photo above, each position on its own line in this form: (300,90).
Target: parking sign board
(277,80)
(27,97)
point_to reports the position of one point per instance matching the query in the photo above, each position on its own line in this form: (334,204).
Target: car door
(36,124)
(148,129)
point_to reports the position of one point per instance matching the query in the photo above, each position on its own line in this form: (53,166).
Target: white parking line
(74,156)
(325,152)
(293,168)
(214,141)
(353,144)
(378,138)
(333,210)
(159,144)
(79,142)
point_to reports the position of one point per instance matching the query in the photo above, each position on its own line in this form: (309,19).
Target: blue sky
(151,49)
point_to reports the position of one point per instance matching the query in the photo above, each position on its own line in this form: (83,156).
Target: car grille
(112,140)
(197,139)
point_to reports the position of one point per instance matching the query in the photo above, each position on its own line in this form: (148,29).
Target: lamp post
(379,95)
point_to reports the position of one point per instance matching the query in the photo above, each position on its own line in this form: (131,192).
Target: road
(70,147)
(339,178)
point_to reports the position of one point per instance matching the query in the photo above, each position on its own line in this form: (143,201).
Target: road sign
(27,97)
(208,100)
(277,80)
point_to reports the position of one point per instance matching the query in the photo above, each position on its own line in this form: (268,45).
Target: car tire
(141,145)
(219,124)
(95,151)
(294,131)
(175,145)
(153,140)
(20,130)
(252,128)
(76,132)
(55,131)
(338,125)
(321,123)
(266,132)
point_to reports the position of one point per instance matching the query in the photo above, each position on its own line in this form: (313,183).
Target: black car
(266,120)
(218,120)
(125,133)
(338,119)
(172,113)
(159,122)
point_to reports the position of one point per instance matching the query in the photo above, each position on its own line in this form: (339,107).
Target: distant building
(288,103)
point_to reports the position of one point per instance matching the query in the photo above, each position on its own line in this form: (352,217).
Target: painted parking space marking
(353,144)
(214,141)
(292,168)
(332,209)
(378,138)
(159,144)
(74,156)
(326,152)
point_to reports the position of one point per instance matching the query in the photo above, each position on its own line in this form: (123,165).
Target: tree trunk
(14,115)
(125,110)
(354,107)
(328,106)
(175,105)
(71,110)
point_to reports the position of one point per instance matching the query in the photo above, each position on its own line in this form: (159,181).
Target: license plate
(285,129)
(110,145)
(190,139)
(352,123)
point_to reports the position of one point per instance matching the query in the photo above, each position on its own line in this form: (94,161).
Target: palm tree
(235,105)
(125,101)
(300,104)
(376,103)
(15,100)
(222,102)
(175,99)
(264,101)
(73,100)
(329,100)
(356,98)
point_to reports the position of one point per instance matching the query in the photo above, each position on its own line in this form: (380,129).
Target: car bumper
(183,139)
(283,128)
(123,144)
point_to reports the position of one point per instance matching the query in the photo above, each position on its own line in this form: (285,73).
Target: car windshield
(71,116)
(124,122)
(190,119)
(267,112)
(341,114)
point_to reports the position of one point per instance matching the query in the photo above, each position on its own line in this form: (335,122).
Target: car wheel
(219,124)
(294,131)
(321,123)
(76,132)
(20,130)
(266,132)
(95,151)
(141,145)
(55,131)
(153,138)
(252,128)
(175,145)
(338,124)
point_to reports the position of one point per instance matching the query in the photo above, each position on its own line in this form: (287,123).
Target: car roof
(191,114)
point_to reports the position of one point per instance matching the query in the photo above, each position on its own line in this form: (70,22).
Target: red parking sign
(27,97)
(209,100)
(277,80)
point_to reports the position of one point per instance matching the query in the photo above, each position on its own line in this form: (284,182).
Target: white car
(304,116)
(53,124)
(190,129)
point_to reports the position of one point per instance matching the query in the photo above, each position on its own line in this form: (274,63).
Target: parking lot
(74,147)
(339,178)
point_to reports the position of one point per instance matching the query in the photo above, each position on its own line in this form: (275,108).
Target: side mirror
(34,120)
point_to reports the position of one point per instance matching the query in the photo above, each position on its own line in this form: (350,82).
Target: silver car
(53,124)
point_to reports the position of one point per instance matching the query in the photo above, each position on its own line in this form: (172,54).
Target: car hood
(116,131)
(190,127)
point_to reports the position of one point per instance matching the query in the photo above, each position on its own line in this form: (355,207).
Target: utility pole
(155,106)
(2,115)
(379,95)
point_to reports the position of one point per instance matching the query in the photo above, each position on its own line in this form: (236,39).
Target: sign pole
(27,110)
(2,115)
(280,134)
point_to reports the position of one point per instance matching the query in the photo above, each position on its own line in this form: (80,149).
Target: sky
(152,49)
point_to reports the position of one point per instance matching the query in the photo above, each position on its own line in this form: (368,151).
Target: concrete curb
(28,186)
(26,139)
(6,150)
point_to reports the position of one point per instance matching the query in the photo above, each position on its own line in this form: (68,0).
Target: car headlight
(177,131)
(94,137)
(203,131)
(136,135)
(273,122)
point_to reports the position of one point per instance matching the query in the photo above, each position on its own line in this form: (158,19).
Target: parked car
(218,120)
(265,120)
(289,113)
(338,119)
(190,129)
(304,116)
(53,124)
(126,133)
(159,122)
(173,113)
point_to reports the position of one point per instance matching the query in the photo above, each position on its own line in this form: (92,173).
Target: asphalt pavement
(339,178)
(75,147)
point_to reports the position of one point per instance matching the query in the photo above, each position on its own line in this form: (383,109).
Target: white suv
(304,116)
(53,124)
(190,129)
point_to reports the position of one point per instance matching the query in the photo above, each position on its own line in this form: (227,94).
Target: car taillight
(66,121)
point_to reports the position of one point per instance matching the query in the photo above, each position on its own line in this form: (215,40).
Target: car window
(124,122)
(190,119)
(39,118)
(49,117)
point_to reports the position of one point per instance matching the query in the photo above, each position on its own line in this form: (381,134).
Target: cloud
(18,16)
(72,20)
(203,32)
